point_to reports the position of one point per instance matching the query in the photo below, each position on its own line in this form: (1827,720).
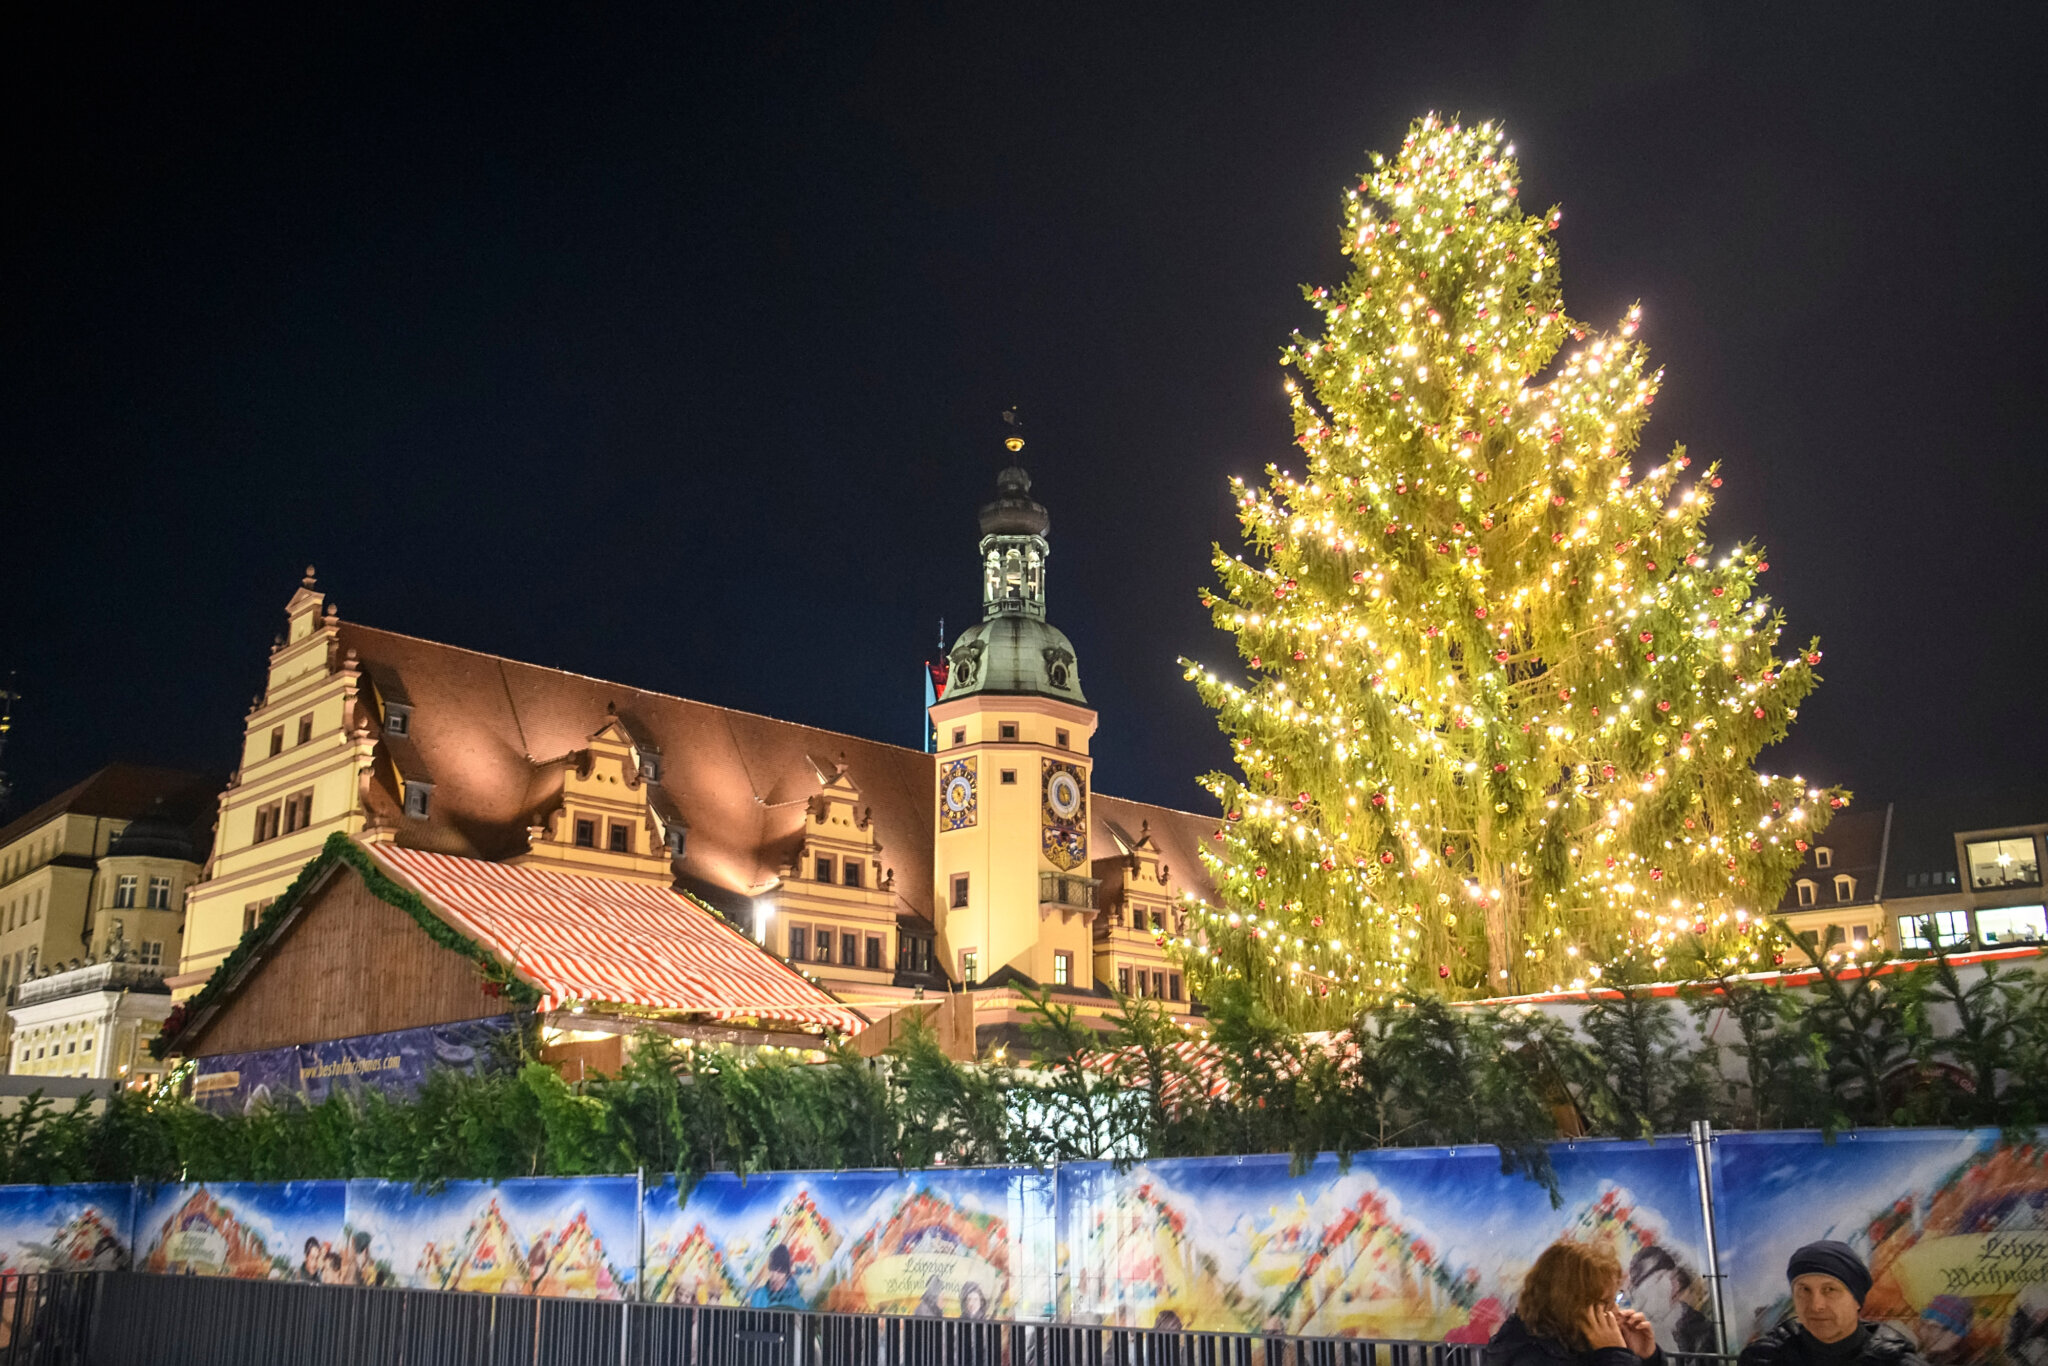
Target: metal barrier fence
(130,1319)
(46,1320)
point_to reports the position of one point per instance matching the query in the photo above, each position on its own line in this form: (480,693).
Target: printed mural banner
(65,1228)
(573,1237)
(1418,1243)
(950,1243)
(253,1230)
(395,1063)
(1954,1225)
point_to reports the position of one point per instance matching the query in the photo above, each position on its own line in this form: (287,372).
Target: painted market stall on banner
(1404,1243)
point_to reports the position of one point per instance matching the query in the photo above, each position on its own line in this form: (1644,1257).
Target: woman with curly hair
(1567,1313)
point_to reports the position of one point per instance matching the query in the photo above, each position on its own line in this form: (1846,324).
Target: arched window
(1845,887)
(1808,893)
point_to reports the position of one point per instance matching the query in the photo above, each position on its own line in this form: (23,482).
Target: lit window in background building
(2012,925)
(2003,863)
(1953,927)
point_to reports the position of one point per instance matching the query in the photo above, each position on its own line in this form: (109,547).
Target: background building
(93,887)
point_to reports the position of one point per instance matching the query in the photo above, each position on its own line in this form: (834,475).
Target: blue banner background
(394,1063)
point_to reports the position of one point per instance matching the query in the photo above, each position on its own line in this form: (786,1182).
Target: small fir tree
(1503,700)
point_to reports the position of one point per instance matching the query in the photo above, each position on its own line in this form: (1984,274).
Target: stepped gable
(493,733)
(694,1272)
(487,1258)
(809,1235)
(575,1265)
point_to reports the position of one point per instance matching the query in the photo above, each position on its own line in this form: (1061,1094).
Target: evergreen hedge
(1910,1047)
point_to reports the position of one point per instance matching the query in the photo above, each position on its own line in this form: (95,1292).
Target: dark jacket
(1786,1345)
(1515,1345)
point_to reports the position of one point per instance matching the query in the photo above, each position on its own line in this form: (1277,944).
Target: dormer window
(1823,857)
(1808,893)
(650,767)
(397,720)
(1845,887)
(417,797)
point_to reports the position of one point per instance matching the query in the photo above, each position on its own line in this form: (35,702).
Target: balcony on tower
(1066,892)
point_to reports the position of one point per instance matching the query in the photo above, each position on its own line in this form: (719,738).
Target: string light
(1501,697)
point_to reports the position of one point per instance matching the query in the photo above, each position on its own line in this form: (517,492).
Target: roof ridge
(631,687)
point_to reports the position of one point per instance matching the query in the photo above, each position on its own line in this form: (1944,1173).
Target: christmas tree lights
(1502,698)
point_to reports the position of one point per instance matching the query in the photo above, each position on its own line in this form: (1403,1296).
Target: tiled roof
(1856,843)
(483,726)
(124,792)
(584,938)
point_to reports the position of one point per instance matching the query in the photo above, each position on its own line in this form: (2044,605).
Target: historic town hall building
(881,874)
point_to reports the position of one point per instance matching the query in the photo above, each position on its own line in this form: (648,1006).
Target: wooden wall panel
(350,964)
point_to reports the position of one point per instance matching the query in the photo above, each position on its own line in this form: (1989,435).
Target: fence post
(639,1264)
(1702,1155)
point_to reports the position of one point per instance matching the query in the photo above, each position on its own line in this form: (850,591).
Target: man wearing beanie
(1829,1282)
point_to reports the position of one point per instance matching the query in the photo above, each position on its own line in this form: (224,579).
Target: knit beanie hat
(1831,1259)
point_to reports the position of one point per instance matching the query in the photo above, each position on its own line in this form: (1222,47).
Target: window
(959,735)
(849,950)
(970,965)
(851,871)
(253,912)
(1845,887)
(1007,729)
(650,766)
(277,740)
(1123,981)
(152,953)
(1159,984)
(1859,937)
(1137,917)
(1823,857)
(159,894)
(823,944)
(1063,969)
(586,833)
(874,958)
(418,796)
(2003,863)
(1059,737)
(2012,925)
(1951,927)
(306,728)
(1808,893)
(298,810)
(823,871)
(268,819)
(621,838)
(1144,981)
(1008,777)
(124,891)
(397,720)
(799,943)
(959,891)
(913,952)
(1173,986)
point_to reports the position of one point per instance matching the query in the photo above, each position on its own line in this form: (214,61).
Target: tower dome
(1014,650)
(154,834)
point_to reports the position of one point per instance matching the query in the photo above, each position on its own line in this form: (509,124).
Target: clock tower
(1012,853)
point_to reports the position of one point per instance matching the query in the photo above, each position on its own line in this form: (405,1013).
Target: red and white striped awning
(598,939)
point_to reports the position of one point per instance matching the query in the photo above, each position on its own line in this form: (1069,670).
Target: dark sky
(670,348)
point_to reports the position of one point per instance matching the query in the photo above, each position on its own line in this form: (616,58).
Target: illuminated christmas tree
(1503,697)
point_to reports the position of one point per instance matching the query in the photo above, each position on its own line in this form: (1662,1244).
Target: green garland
(341,849)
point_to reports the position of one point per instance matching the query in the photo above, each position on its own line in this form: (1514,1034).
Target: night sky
(670,348)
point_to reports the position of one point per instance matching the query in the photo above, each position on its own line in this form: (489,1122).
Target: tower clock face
(957,805)
(1063,795)
(959,794)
